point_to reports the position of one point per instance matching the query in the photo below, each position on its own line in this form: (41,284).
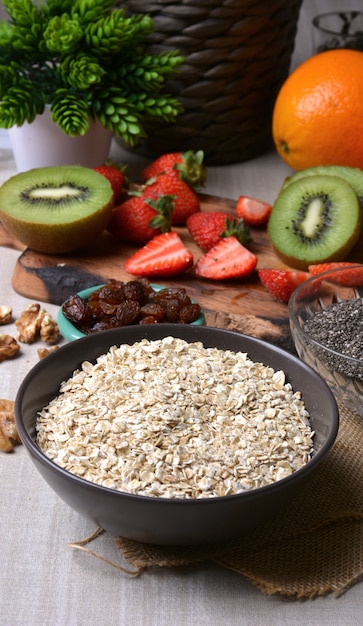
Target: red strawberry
(207,228)
(138,220)
(349,278)
(164,255)
(186,200)
(185,165)
(116,175)
(282,283)
(226,260)
(254,212)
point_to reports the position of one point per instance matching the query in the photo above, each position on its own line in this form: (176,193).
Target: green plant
(85,59)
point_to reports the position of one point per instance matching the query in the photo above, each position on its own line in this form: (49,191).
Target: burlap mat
(313,548)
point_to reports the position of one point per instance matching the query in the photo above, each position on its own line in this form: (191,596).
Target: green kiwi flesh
(56,210)
(315,219)
(351,175)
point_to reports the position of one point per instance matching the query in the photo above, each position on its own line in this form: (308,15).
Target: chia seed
(339,327)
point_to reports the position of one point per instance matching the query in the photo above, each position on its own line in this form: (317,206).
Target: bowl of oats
(326,321)
(175,434)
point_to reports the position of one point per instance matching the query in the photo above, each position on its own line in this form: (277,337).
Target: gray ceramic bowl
(163,520)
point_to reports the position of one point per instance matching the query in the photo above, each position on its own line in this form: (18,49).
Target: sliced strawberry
(164,255)
(349,277)
(282,283)
(254,212)
(226,260)
(188,166)
(207,228)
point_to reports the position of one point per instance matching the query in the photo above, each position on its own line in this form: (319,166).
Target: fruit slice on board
(56,209)
(315,220)
(351,175)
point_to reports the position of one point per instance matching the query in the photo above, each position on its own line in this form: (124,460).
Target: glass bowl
(70,332)
(323,343)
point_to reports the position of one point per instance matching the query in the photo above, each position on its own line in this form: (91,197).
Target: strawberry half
(208,228)
(188,166)
(226,260)
(282,283)
(164,255)
(349,277)
(254,212)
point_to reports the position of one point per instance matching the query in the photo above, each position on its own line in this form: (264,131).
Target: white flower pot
(43,143)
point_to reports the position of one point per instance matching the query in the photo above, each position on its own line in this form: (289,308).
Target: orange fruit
(318,113)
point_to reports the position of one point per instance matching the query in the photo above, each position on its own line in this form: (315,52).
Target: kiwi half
(351,175)
(314,220)
(56,209)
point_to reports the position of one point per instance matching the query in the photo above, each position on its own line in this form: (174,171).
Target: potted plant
(84,62)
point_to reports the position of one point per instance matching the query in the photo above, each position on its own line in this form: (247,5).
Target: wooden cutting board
(243,305)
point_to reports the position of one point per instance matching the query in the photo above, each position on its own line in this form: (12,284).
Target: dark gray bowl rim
(170,329)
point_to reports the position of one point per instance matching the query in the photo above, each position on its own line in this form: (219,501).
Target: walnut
(43,352)
(33,321)
(8,433)
(49,331)
(6,314)
(9,347)
(28,324)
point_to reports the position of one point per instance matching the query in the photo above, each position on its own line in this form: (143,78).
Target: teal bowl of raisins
(116,304)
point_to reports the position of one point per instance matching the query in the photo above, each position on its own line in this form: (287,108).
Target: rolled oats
(174,419)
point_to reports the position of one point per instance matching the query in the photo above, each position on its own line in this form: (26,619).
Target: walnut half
(35,321)
(9,435)
(6,314)
(9,347)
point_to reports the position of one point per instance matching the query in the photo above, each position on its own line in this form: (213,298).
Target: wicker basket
(238,54)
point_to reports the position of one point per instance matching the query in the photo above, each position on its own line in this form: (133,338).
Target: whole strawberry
(188,166)
(186,201)
(115,174)
(138,220)
(208,228)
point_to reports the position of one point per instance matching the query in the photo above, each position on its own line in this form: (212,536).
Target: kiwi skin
(336,243)
(66,229)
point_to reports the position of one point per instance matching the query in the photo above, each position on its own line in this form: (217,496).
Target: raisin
(154,309)
(189,313)
(103,325)
(147,286)
(135,290)
(112,295)
(171,308)
(149,319)
(101,308)
(127,312)
(173,293)
(75,309)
